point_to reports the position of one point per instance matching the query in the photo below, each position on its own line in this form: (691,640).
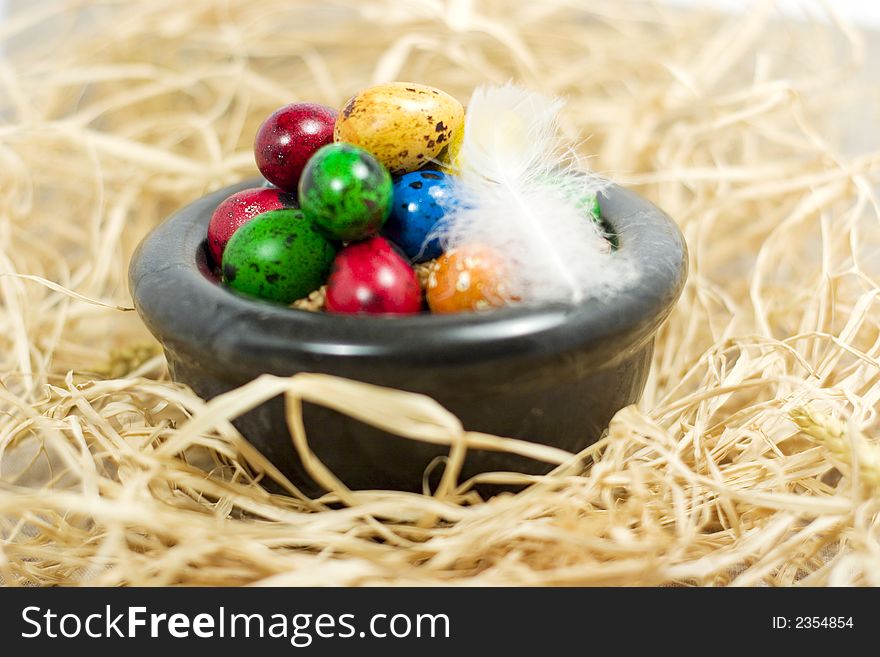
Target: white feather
(518,192)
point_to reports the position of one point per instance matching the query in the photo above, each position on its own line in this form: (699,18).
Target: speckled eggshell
(421,199)
(288,138)
(240,208)
(346,192)
(403,124)
(448,159)
(465,279)
(369,277)
(278,256)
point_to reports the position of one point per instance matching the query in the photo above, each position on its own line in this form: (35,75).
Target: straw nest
(752,458)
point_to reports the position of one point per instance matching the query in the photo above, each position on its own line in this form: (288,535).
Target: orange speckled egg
(403,124)
(466,278)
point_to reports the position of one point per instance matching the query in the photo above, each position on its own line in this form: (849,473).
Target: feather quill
(519,192)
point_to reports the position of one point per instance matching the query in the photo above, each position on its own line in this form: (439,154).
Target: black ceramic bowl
(554,375)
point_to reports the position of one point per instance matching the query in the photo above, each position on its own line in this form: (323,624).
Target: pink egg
(370,277)
(240,208)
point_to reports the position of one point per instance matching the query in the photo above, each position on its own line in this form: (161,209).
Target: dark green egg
(279,256)
(346,192)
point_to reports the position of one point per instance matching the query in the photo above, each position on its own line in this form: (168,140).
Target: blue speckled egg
(420,199)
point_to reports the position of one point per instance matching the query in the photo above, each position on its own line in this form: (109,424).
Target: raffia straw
(850,448)
(111,474)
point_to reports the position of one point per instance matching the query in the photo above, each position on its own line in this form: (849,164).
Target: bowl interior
(176,290)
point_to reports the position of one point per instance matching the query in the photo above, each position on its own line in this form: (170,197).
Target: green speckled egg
(346,192)
(572,188)
(403,124)
(589,203)
(279,256)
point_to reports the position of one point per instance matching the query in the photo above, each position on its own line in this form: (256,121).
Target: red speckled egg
(240,208)
(370,277)
(287,139)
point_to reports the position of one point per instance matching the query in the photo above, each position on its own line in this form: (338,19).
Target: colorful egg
(467,278)
(370,277)
(573,189)
(288,138)
(589,203)
(606,239)
(403,124)
(240,208)
(421,199)
(346,192)
(279,256)
(448,159)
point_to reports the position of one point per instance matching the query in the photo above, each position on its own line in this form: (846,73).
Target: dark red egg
(371,277)
(240,208)
(287,139)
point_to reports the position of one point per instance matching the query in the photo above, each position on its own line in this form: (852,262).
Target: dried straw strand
(732,470)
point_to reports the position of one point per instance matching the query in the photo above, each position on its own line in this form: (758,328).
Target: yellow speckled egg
(449,160)
(403,124)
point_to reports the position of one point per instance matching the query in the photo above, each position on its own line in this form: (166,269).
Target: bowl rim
(219,323)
